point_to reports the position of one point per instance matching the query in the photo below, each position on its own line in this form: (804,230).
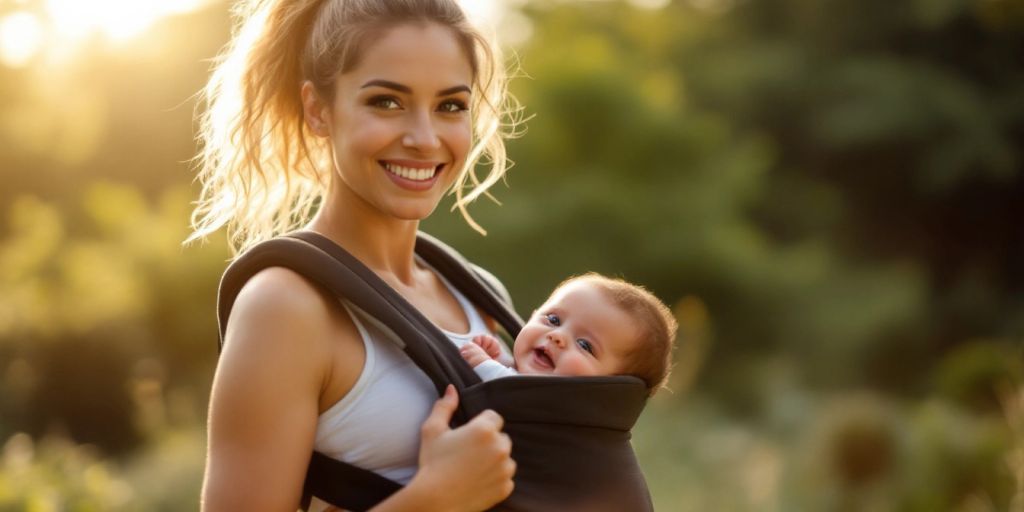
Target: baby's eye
(453,107)
(384,103)
(585,345)
(553,319)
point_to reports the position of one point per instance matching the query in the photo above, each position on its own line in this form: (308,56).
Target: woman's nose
(421,134)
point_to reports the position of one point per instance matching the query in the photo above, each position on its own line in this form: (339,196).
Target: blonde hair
(651,359)
(262,173)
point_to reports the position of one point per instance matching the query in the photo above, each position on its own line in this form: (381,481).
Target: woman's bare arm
(264,403)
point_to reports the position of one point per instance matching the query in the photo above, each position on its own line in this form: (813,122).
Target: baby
(590,325)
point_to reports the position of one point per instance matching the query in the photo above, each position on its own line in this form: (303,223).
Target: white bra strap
(370,319)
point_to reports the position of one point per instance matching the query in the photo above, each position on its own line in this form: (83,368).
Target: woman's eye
(384,103)
(553,319)
(585,345)
(453,106)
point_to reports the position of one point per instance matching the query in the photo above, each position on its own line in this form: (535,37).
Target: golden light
(483,12)
(650,4)
(61,28)
(501,16)
(118,20)
(21,37)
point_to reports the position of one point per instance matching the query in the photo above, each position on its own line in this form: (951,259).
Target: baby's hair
(262,171)
(651,361)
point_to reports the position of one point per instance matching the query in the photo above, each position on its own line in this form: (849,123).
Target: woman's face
(399,124)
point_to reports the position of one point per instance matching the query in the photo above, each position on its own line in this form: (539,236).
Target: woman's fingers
(473,462)
(440,416)
(505,444)
(488,420)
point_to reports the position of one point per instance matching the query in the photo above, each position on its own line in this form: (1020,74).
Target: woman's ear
(314,110)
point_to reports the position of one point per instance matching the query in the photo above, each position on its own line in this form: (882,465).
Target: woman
(366,111)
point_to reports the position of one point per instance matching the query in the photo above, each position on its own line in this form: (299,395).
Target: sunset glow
(61,26)
(118,20)
(21,35)
(56,32)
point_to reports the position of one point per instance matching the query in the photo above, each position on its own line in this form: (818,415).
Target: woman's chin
(419,210)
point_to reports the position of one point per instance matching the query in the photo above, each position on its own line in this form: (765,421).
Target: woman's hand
(468,468)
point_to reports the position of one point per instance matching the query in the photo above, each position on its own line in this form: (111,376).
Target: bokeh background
(829,193)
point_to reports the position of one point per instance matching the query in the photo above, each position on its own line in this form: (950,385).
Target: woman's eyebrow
(453,90)
(388,84)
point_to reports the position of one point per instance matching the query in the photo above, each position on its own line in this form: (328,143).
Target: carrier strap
(353,283)
(479,287)
(323,262)
(344,485)
(447,365)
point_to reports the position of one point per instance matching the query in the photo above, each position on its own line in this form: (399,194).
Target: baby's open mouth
(543,357)
(412,173)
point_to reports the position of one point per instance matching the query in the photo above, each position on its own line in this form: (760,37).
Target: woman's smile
(413,175)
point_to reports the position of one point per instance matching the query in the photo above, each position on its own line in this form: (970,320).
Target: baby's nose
(557,338)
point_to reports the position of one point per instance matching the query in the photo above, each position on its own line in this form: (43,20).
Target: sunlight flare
(118,20)
(21,37)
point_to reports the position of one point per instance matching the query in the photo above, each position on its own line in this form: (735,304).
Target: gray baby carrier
(570,435)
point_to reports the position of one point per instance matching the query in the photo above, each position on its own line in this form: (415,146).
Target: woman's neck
(382,243)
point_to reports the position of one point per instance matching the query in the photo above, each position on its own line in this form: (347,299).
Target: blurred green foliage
(827,192)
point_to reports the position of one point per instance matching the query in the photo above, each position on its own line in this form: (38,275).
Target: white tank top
(376,426)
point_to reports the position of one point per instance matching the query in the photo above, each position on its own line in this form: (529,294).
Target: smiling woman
(351,118)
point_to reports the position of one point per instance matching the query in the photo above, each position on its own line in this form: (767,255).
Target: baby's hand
(473,354)
(490,344)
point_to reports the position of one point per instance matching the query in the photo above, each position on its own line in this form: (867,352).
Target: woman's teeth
(411,173)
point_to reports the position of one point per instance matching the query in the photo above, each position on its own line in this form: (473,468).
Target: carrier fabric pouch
(570,435)
(570,440)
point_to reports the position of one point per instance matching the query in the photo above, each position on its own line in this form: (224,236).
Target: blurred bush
(973,374)
(92,313)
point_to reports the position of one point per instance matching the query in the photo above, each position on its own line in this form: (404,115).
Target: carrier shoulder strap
(325,263)
(478,285)
(414,333)
(351,281)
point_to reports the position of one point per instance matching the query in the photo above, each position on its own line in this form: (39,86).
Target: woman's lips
(416,176)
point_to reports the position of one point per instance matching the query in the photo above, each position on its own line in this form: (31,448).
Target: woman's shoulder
(278,293)
(277,305)
(280,287)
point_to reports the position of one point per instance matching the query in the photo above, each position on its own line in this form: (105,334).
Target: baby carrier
(570,435)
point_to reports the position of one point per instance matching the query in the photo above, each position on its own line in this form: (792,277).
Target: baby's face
(576,332)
